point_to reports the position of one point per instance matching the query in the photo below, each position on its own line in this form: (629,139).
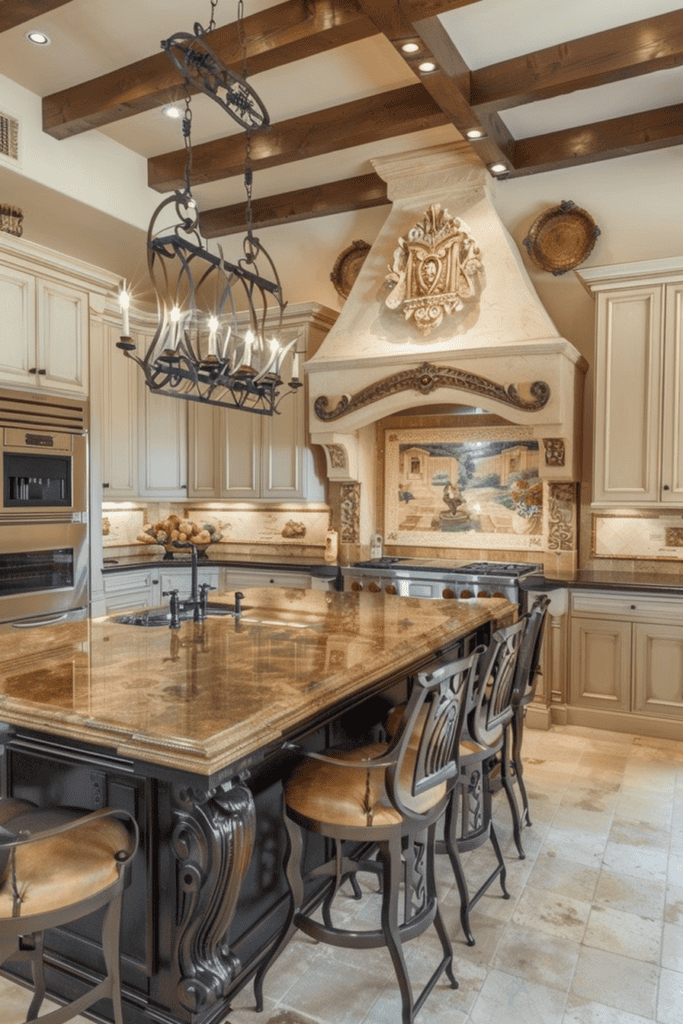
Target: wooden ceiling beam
(359,193)
(618,136)
(385,116)
(279,35)
(449,83)
(640,48)
(17,12)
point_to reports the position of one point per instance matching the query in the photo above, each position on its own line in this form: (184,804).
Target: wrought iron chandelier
(205,348)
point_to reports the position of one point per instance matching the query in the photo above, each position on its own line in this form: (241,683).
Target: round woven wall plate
(561,238)
(347,267)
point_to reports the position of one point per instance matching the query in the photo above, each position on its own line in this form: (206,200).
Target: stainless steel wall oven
(44,508)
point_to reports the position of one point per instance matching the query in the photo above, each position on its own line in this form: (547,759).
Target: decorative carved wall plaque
(425,378)
(434,269)
(554,451)
(337,455)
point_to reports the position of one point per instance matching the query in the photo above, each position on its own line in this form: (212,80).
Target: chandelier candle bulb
(124,304)
(295,366)
(213,327)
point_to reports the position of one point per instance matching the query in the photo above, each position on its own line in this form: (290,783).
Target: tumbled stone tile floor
(592,933)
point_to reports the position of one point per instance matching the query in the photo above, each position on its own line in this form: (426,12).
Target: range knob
(448,593)
(390,588)
(356,585)
(374,588)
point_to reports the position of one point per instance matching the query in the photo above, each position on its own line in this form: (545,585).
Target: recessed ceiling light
(38,37)
(499,169)
(170,110)
(475,133)
(427,65)
(410,47)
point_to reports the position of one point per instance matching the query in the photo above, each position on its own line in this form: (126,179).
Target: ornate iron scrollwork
(425,379)
(213,839)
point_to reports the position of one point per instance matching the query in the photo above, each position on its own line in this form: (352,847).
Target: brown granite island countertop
(185,729)
(207,696)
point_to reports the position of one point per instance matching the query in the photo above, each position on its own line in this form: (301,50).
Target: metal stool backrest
(493,695)
(526,672)
(426,747)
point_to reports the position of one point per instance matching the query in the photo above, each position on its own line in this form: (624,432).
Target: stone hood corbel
(500,353)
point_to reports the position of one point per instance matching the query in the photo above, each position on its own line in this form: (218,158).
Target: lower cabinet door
(658,669)
(601,664)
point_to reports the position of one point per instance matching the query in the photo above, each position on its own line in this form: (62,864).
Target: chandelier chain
(212,23)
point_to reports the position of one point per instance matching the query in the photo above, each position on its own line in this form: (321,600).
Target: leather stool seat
(56,873)
(56,866)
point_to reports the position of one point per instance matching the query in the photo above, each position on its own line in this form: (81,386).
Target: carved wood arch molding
(425,378)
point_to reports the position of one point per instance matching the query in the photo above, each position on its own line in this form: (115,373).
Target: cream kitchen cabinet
(239,455)
(139,438)
(146,588)
(43,333)
(638,435)
(117,385)
(626,654)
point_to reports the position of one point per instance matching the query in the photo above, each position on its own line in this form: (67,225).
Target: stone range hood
(501,353)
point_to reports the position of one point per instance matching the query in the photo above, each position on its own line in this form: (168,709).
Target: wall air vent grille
(9,136)
(38,413)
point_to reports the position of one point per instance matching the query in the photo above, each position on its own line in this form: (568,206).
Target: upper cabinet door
(118,421)
(17,326)
(163,443)
(62,350)
(628,403)
(672,436)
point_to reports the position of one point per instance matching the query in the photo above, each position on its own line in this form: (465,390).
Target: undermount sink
(162,616)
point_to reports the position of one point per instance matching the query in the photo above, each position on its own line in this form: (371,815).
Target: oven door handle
(34,623)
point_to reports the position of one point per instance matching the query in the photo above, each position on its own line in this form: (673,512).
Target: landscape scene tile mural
(463,488)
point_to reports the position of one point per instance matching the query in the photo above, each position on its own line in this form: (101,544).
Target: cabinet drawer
(124,582)
(262,578)
(627,606)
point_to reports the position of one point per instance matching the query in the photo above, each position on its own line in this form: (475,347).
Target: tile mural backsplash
(464,488)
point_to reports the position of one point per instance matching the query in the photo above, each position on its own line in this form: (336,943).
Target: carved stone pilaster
(562,517)
(213,839)
(350,513)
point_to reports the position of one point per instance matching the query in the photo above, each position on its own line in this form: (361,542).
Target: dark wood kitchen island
(185,729)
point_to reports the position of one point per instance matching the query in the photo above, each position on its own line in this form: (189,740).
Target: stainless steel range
(438,578)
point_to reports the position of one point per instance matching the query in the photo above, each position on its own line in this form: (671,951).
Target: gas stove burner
(378,563)
(498,568)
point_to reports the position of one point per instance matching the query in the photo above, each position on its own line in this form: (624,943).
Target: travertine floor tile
(627,934)
(505,997)
(536,956)
(616,981)
(552,914)
(670,1000)
(634,895)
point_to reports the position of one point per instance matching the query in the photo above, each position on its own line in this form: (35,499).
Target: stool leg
(38,973)
(508,773)
(433,895)
(517,736)
(111,929)
(296,890)
(451,844)
(501,863)
(392,875)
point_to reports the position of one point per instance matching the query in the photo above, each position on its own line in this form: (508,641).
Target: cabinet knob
(105,485)
(633,607)
(155,582)
(42,372)
(666,487)
(34,369)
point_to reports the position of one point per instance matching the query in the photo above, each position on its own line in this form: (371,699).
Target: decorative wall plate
(561,238)
(348,265)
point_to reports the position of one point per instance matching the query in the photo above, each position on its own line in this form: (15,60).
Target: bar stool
(468,822)
(388,798)
(58,865)
(523,692)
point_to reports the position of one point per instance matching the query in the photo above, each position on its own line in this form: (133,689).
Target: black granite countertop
(120,563)
(591,579)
